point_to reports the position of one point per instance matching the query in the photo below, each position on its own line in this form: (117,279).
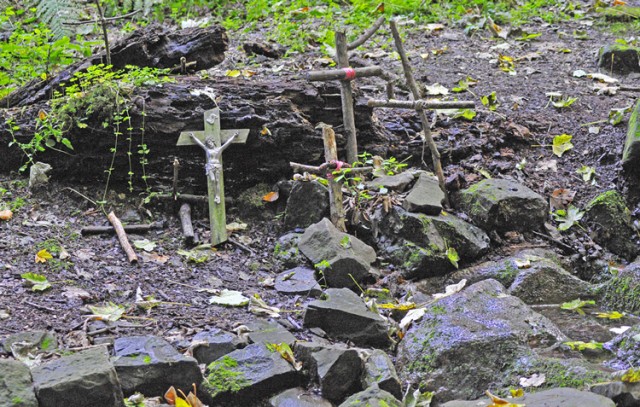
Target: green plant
(490,101)
(569,217)
(223,378)
(577,305)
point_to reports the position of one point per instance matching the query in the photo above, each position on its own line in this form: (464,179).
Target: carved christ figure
(213,166)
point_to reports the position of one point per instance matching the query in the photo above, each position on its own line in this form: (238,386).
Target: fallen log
(288,108)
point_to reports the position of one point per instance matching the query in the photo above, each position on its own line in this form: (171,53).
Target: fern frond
(56,13)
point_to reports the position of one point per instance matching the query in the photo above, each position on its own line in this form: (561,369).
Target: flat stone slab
(15,384)
(213,344)
(562,397)
(298,281)
(269,332)
(84,379)
(298,397)
(372,397)
(398,182)
(504,205)
(343,315)
(150,365)
(248,375)
(35,341)
(425,196)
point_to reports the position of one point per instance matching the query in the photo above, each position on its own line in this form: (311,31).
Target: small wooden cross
(214,141)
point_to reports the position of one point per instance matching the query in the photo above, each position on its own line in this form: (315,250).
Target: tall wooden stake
(426,126)
(335,188)
(346,94)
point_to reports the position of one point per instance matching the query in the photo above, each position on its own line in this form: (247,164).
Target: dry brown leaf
(561,198)
(6,214)
(271,196)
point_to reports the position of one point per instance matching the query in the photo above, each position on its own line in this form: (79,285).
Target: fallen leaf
(536,380)
(259,307)
(436,89)
(451,289)
(412,315)
(153,258)
(236,227)
(547,165)
(403,306)
(6,214)
(602,77)
(561,198)
(620,330)
(42,256)
(265,131)
(232,73)
(38,282)
(562,144)
(286,353)
(498,402)
(230,298)
(110,312)
(76,293)
(144,244)
(610,315)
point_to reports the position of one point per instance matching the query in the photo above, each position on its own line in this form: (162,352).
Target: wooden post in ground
(335,188)
(214,141)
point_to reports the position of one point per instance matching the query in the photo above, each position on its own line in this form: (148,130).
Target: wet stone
(15,384)
(84,379)
(210,345)
(298,281)
(425,196)
(398,182)
(379,370)
(33,341)
(150,365)
(298,397)
(372,397)
(264,331)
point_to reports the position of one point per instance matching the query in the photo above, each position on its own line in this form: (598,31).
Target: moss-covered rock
(631,153)
(503,205)
(609,218)
(622,292)
(620,59)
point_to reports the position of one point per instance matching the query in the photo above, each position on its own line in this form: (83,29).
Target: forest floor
(515,140)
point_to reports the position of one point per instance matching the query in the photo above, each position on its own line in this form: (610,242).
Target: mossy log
(289,108)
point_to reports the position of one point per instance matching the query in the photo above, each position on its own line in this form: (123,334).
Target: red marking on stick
(350,73)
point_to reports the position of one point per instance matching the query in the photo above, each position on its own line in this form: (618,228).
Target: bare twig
(367,34)
(122,237)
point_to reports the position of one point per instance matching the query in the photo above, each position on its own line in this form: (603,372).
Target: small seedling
(567,218)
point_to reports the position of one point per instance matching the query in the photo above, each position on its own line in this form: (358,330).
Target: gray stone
(504,205)
(425,196)
(30,342)
(38,175)
(561,397)
(418,242)
(379,370)
(210,345)
(372,397)
(610,219)
(349,258)
(263,331)
(631,152)
(623,394)
(298,397)
(626,348)
(398,182)
(15,385)
(286,250)
(248,375)
(84,379)
(622,291)
(298,281)
(338,371)
(461,345)
(150,365)
(343,315)
(308,203)
(620,59)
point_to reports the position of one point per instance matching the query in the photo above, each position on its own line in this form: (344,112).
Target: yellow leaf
(6,214)
(498,402)
(271,197)
(42,115)
(43,76)
(247,73)
(42,256)
(516,392)
(232,73)
(265,131)
(400,307)
(182,402)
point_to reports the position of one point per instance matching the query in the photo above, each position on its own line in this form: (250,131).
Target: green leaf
(588,174)
(229,298)
(466,114)
(453,256)
(577,305)
(38,282)
(144,244)
(562,144)
(110,312)
(580,345)
(464,84)
(568,218)
(564,102)
(528,37)
(490,101)
(631,376)
(610,315)
(345,242)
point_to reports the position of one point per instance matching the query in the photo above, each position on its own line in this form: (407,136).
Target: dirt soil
(523,126)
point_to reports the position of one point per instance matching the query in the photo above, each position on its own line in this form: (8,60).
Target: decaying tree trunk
(289,107)
(154,46)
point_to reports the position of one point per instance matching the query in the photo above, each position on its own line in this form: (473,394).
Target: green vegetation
(223,377)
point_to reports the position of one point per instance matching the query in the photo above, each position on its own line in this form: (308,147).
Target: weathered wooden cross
(214,141)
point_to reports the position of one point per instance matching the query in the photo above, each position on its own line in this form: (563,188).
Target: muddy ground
(96,271)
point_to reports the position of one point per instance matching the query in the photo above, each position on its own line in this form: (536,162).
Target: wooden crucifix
(214,141)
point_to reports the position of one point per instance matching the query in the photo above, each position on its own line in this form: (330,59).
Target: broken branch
(122,237)
(421,104)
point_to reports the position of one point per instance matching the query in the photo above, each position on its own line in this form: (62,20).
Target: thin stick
(240,245)
(122,237)
(98,230)
(176,172)
(182,198)
(41,307)
(421,104)
(187,225)
(105,35)
(367,34)
(335,188)
(323,168)
(426,127)
(340,74)
(347,99)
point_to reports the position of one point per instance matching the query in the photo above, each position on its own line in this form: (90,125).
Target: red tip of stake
(350,73)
